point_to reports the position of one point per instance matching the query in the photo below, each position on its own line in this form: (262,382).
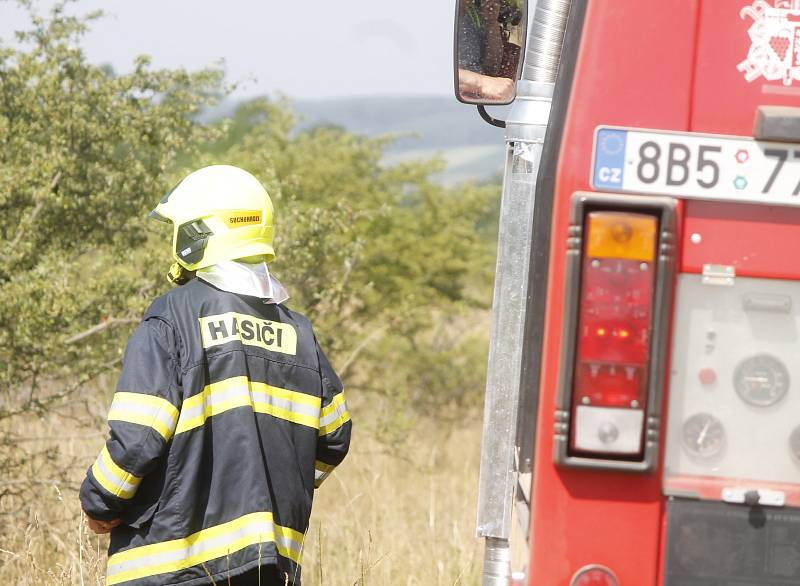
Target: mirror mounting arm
(489,118)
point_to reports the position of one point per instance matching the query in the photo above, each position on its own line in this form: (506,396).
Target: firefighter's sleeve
(142,419)
(334,424)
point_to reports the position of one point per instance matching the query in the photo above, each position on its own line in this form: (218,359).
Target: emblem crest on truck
(775,34)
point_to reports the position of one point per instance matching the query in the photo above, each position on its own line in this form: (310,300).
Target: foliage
(83,153)
(393,269)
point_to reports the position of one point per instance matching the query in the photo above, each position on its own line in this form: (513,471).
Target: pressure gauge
(794,444)
(703,435)
(761,380)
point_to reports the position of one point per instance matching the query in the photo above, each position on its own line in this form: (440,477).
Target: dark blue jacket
(227,415)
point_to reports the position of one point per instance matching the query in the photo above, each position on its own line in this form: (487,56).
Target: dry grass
(392,514)
(399,518)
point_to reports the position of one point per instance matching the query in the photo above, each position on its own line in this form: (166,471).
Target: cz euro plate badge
(697,166)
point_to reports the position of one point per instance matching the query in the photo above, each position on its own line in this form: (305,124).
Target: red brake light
(594,576)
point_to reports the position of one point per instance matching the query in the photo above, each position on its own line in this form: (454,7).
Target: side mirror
(488,48)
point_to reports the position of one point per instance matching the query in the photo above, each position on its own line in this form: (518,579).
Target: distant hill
(440,122)
(430,126)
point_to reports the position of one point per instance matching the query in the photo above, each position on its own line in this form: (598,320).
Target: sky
(305,49)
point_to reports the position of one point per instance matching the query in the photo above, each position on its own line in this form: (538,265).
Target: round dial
(794,443)
(761,380)
(703,435)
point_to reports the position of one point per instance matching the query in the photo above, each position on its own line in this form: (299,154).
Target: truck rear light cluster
(613,337)
(618,280)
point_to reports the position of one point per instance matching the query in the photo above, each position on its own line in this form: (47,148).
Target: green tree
(83,153)
(393,269)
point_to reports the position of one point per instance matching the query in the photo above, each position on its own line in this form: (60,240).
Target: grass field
(392,514)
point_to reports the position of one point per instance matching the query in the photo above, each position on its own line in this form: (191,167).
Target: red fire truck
(642,422)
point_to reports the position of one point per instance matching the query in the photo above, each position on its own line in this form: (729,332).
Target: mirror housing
(488,49)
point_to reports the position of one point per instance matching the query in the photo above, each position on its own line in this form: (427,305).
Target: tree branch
(34,213)
(358,349)
(65,392)
(100,327)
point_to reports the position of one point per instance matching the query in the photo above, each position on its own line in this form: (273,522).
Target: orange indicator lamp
(627,236)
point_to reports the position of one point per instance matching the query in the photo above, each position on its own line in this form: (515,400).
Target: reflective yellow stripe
(114,479)
(147,410)
(321,472)
(203,546)
(334,416)
(292,413)
(239,391)
(197,408)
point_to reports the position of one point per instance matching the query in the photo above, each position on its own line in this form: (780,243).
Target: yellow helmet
(218,213)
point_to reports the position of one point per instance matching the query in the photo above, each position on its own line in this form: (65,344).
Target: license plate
(700,166)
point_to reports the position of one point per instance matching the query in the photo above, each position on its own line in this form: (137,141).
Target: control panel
(734,407)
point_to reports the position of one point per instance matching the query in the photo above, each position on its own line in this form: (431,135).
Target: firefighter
(227,413)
